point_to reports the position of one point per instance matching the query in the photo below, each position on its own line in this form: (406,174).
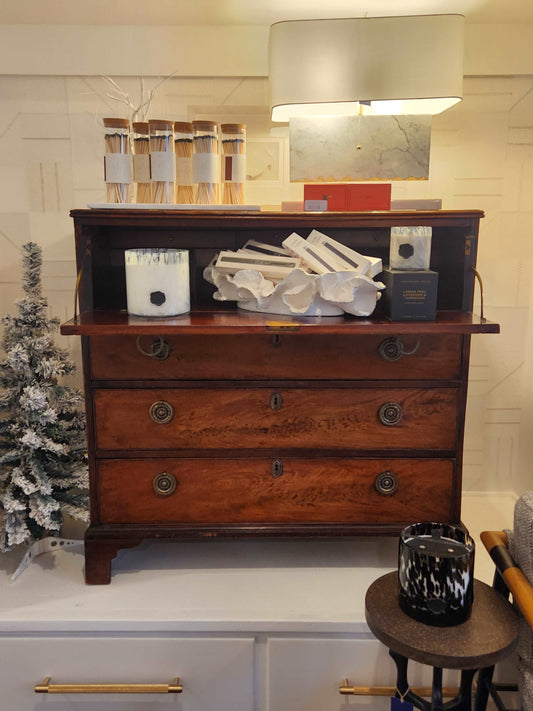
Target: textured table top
(488,636)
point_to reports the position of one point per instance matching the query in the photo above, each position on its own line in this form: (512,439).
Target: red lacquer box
(350,197)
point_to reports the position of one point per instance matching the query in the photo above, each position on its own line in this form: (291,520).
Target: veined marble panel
(360,148)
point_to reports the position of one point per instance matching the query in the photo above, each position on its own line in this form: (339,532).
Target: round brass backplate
(161,412)
(164,484)
(386,483)
(390,349)
(390,413)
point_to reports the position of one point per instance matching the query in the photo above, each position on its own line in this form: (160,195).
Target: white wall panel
(51,144)
(128,50)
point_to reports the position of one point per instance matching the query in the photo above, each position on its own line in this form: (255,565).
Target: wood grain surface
(281,356)
(213,490)
(308,418)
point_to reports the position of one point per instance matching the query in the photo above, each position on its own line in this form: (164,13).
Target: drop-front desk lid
(108,323)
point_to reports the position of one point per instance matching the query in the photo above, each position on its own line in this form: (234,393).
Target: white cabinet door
(305,674)
(216,674)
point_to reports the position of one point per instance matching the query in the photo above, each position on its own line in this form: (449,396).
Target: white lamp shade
(327,66)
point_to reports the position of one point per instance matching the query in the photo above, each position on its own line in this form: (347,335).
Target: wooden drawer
(215,673)
(316,418)
(281,490)
(285,356)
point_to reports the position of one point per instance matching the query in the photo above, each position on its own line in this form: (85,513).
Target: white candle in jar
(157,282)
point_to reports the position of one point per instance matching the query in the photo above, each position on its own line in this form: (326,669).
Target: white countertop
(208,586)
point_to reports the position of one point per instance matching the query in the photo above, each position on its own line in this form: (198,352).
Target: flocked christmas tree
(43,471)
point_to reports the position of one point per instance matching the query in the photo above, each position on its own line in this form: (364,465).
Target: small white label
(162,167)
(184,170)
(141,168)
(117,168)
(316,205)
(234,168)
(206,168)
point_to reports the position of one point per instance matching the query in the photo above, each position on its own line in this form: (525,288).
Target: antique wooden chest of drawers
(222,423)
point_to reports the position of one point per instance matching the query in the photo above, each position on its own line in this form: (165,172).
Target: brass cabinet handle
(386,483)
(47,688)
(392,348)
(164,484)
(347,690)
(390,413)
(161,412)
(158,349)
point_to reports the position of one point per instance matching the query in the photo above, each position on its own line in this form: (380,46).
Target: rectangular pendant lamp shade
(383,65)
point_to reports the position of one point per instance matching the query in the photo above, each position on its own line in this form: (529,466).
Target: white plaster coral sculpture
(300,293)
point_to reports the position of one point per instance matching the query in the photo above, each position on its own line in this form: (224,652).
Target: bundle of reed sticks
(162,190)
(206,193)
(117,143)
(233,193)
(141,146)
(184,193)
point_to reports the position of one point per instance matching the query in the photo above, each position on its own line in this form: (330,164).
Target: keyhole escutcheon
(276,401)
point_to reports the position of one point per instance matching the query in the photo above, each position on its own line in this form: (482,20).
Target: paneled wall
(51,144)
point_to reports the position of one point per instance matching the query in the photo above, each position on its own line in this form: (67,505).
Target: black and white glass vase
(436,573)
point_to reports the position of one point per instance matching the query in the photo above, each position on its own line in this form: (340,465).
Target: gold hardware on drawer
(161,412)
(276,401)
(282,326)
(159,349)
(164,484)
(47,688)
(390,413)
(348,690)
(276,468)
(392,349)
(386,483)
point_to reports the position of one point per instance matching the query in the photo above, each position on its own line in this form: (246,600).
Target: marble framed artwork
(344,148)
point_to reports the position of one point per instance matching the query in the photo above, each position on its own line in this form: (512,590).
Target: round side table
(487,637)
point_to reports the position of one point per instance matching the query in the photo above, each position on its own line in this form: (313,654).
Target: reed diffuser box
(410,295)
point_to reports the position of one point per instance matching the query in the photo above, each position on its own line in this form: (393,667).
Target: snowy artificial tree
(43,470)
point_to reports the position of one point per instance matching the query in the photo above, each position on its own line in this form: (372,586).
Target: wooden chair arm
(493,538)
(519,586)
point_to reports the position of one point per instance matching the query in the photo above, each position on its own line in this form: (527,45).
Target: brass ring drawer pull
(47,688)
(392,348)
(161,412)
(390,413)
(386,483)
(159,349)
(164,484)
